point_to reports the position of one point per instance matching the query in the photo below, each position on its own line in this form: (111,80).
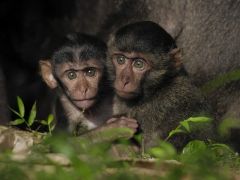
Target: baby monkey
(151,83)
(77,75)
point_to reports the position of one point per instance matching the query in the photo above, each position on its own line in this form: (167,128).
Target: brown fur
(167,96)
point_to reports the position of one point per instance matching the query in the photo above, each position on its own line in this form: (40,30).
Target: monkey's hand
(123,122)
(109,132)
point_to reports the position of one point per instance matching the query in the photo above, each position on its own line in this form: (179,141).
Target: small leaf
(52,127)
(43,122)
(17,122)
(50,118)
(164,150)
(185,125)
(157,152)
(32,115)
(199,119)
(175,131)
(20,107)
(138,138)
(15,112)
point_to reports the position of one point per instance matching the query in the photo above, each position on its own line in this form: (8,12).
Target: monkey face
(130,69)
(79,80)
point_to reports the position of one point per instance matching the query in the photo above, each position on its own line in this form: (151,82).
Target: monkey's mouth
(126,94)
(84,103)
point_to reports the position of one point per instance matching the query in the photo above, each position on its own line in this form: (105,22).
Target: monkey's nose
(125,80)
(83,90)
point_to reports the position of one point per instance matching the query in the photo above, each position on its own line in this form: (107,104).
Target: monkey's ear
(46,73)
(176,55)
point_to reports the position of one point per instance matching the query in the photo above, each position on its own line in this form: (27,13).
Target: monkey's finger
(132,123)
(132,126)
(111,120)
(128,119)
(129,124)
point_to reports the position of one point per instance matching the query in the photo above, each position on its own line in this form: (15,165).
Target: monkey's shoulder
(180,98)
(179,91)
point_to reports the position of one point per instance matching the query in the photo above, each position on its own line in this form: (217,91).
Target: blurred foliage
(226,125)
(85,160)
(197,160)
(220,81)
(62,157)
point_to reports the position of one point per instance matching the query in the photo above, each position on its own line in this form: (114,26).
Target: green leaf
(17,122)
(196,152)
(199,119)
(185,125)
(222,149)
(20,107)
(194,146)
(223,146)
(138,138)
(163,151)
(43,122)
(32,115)
(157,152)
(15,112)
(50,118)
(175,131)
(52,127)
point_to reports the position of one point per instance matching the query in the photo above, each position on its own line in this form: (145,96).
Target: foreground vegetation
(63,157)
(59,157)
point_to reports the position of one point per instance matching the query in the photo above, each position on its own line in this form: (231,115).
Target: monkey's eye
(139,63)
(90,72)
(121,60)
(72,75)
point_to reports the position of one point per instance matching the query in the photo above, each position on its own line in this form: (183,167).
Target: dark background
(207,31)
(29,30)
